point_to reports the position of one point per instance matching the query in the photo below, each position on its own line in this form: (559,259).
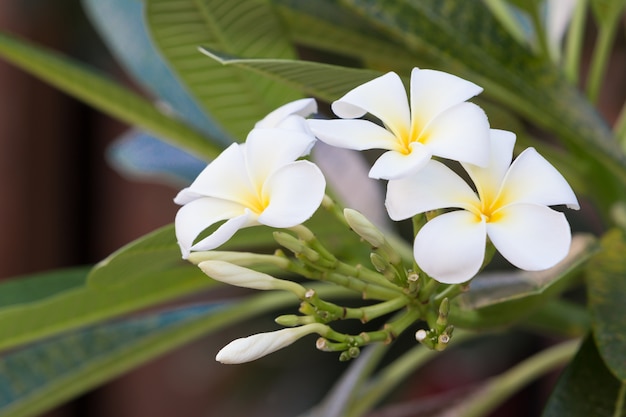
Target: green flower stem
(367,290)
(329,311)
(501,387)
(366,274)
(336,210)
(450,292)
(368,313)
(574,42)
(390,377)
(239,258)
(600,58)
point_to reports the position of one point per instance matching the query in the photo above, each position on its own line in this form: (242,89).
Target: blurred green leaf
(587,388)
(464,38)
(606,286)
(249,28)
(30,288)
(501,299)
(99,91)
(81,305)
(45,374)
(325,81)
(607,11)
(324,25)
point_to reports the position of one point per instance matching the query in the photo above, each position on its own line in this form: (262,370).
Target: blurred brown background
(62,205)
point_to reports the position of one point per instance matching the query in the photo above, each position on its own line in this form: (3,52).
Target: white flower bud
(364,228)
(247,278)
(253,347)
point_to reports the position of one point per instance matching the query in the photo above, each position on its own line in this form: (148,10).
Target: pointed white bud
(364,228)
(253,347)
(247,278)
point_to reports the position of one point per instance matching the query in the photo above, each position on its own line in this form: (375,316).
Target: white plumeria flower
(259,182)
(253,347)
(510,207)
(438,122)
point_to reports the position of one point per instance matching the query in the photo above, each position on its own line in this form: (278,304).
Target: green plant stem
(540,32)
(389,378)
(501,387)
(373,311)
(600,59)
(239,258)
(619,404)
(574,42)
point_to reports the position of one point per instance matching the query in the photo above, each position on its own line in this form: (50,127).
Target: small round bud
(421,335)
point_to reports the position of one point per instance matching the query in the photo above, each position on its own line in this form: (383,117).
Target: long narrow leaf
(240,27)
(325,81)
(101,92)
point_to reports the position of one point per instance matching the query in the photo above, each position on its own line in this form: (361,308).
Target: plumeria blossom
(259,182)
(438,122)
(510,207)
(258,345)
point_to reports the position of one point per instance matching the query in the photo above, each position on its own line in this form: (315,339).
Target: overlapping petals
(437,122)
(259,182)
(510,206)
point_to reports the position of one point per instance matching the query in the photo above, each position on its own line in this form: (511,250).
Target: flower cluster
(264,181)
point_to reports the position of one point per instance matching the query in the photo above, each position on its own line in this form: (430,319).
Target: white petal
(256,346)
(393,165)
(460,133)
(532,179)
(194,217)
(434,187)
(303,107)
(295,191)
(531,237)
(226,178)
(488,180)
(451,247)
(353,134)
(269,149)
(225,231)
(433,92)
(383,97)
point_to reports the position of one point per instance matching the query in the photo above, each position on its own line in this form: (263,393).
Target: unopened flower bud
(364,228)
(256,346)
(291,320)
(247,278)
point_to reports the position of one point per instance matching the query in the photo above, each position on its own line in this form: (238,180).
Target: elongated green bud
(364,228)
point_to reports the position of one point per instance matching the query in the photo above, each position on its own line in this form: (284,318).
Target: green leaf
(328,82)
(500,299)
(325,26)
(465,38)
(606,286)
(587,388)
(83,305)
(31,288)
(246,28)
(40,376)
(99,91)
